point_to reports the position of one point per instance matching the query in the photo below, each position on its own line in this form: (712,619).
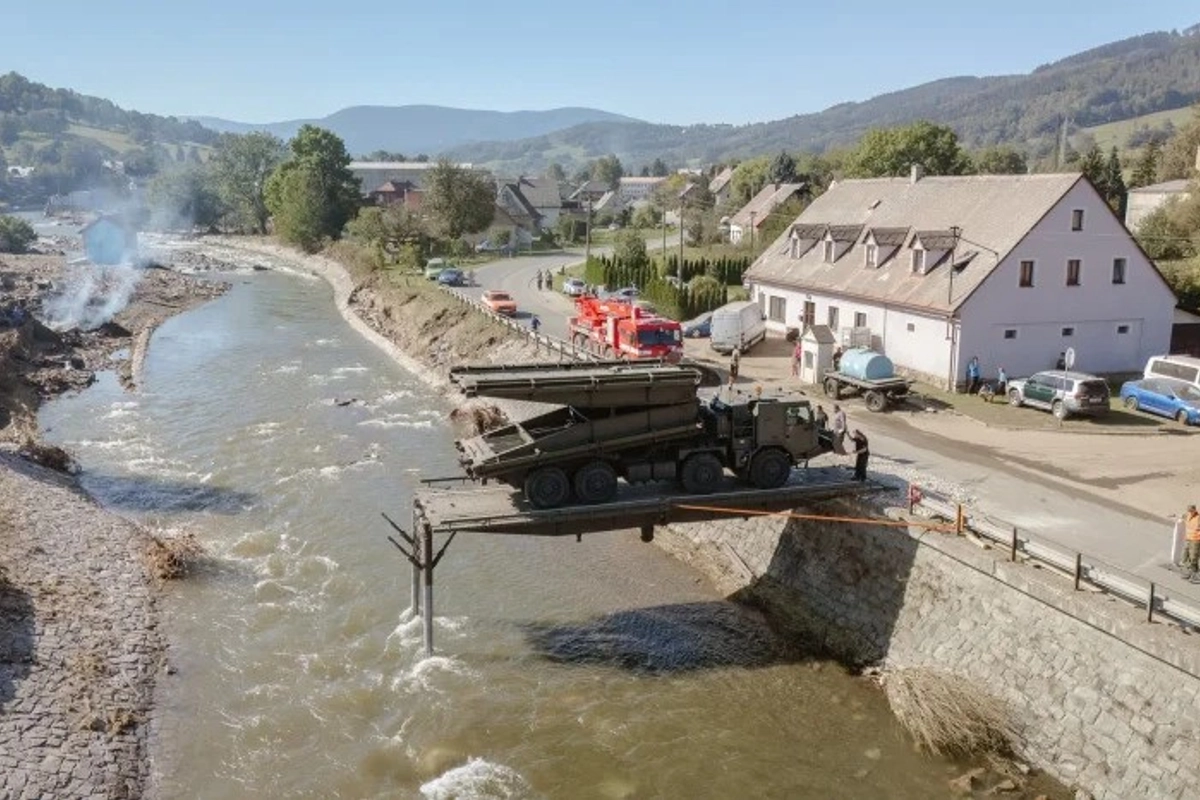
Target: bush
(15,234)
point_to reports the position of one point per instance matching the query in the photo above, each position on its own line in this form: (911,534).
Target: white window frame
(830,251)
(872,255)
(918,260)
(860,319)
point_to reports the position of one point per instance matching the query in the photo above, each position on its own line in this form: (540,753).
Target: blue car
(698,328)
(452,277)
(1167,398)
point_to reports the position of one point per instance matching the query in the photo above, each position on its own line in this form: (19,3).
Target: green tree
(608,170)
(1145,171)
(1179,153)
(15,234)
(10,129)
(241,168)
(659,169)
(458,200)
(555,172)
(1114,183)
(629,250)
(1000,160)
(647,216)
(748,179)
(318,175)
(183,199)
(782,169)
(1092,166)
(891,152)
(1163,236)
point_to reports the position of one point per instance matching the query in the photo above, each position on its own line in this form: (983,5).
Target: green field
(118,142)
(1117,134)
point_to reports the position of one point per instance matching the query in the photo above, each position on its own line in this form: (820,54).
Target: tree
(317,175)
(608,170)
(241,168)
(1092,166)
(647,216)
(384,155)
(1113,183)
(15,234)
(387,231)
(1001,160)
(659,169)
(1145,172)
(629,250)
(555,172)
(1179,153)
(1162,236)
(782,169)
(748,179)
(183,199)
(458,200)
(891,152)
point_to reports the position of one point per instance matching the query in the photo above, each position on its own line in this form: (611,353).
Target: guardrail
(1079,567)
(553,344)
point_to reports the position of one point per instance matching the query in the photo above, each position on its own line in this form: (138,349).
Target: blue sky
(659,60)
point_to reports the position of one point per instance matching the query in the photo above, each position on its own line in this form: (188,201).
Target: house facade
(632,190)
(759,209)
(537,198)
(931,271)
(720,186)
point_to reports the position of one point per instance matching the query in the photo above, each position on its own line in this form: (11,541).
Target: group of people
(544,280)
(839,432)
(975,378)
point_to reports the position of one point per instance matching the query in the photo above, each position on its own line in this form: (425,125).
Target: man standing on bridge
(861,453)
(1191,551)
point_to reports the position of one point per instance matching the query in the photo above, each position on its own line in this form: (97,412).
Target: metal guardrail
(553,344)
(1081,568)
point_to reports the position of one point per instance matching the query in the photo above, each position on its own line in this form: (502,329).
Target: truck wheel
(595,483)
(701,473)
(832,389)
(770,469)
(547,487)
(876,401)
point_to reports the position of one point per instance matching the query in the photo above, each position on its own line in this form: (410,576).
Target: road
(1052,503)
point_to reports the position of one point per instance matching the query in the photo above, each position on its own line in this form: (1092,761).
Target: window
(1122,329)
(1171,369)
(918,260)
(1077,219)
(860,319)
(872,255)
(778,309)
(911,327)
(810,313)
(833,318)
(1068,331)
(828,251)
(1073,266)
(1026,274)
(1010,333)
(1118,275)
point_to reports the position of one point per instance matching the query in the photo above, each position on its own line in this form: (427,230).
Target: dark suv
(1061,393)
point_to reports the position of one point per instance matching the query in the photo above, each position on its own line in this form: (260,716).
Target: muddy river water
(600,669)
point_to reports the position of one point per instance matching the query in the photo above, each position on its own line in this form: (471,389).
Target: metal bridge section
(441,511)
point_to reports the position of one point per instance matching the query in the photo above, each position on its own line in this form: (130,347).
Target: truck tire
(701,473)
(875,401)
(595,482)
(832,388)
(770,469)
(547,487)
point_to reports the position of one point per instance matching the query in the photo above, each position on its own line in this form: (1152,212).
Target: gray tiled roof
(767,200)
(721,180)
(992,212)
(887,237)
(540,192)
(935,240)
(845,233)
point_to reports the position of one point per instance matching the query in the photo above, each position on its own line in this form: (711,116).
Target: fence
(552,344)
(1080,567)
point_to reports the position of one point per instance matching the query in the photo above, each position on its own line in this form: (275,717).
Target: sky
(671,61)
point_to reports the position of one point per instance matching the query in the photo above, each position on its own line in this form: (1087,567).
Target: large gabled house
(720,186)
(540,198)
(754,214)
(1013,269)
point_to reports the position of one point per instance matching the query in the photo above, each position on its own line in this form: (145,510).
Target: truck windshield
(650,337)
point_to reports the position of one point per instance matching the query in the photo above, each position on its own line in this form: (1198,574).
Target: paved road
(1007,490)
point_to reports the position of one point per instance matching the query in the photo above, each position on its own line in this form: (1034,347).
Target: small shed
(109,240)
(1185,333)
(817,346)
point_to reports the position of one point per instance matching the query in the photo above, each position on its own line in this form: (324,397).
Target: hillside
(426,129)
(1141,75)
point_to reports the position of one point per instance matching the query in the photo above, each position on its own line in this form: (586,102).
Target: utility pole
(753,214)
(681,238)
(587,235)
(956,232)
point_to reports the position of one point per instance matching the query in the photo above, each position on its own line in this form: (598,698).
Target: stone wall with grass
(1105,701)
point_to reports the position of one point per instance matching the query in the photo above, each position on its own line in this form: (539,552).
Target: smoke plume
(91,295)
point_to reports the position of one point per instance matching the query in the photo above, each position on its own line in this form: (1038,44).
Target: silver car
(1061,393)
(574,287)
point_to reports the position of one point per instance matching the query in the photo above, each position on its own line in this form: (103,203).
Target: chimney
(916,174)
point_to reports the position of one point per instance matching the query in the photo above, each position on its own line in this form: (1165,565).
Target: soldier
(861,453)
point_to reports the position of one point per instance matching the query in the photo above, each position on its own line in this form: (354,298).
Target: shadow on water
(147,493)
(16,638)
(666,639)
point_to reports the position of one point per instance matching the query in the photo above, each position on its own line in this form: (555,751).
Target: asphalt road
(518,276)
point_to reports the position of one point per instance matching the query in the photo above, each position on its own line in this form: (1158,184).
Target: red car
(500,302)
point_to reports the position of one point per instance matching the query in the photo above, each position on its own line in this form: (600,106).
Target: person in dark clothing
(1062,361)
(861,454)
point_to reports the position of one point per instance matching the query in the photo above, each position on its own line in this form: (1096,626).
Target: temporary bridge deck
(445,510)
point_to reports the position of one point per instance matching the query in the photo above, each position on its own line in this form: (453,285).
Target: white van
(739,325)
(1181,368)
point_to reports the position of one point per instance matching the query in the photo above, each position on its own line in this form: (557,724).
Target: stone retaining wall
(1109,703)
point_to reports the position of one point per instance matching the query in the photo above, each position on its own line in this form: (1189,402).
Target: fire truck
(619,328)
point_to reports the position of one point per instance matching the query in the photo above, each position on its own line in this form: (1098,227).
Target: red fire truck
(619,328)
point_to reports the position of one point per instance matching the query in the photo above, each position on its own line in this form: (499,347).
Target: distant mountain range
(416,129)
(1118,81)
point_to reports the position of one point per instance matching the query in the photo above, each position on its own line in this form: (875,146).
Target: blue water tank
(867,365)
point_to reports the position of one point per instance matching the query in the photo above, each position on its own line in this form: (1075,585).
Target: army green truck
(637,423)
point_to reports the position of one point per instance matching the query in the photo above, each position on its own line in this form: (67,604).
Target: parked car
(485,246)
(698,328)
(452,277)
(1061,393)
(1167,398)
(574,287)
(1183,368)
(739,324)
(435,266)
(628,293)
(500,302)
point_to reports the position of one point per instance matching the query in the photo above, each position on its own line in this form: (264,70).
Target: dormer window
(918,261)
(872,255)
(829,251)
(794,247)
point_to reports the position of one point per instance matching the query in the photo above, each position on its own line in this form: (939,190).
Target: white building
(1145,200)
(630,190)
(1013,269)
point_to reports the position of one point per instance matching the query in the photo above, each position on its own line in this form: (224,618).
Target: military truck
(637,423)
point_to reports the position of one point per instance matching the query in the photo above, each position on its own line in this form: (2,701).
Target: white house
(630,190)
(1145,200)
(1013,269)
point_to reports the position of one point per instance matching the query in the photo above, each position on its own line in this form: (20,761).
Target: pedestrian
(735,360)
(861,453)
(548,281)
(1191,551)
(539,280)
(973,375)
(839,430)
(797,352)
(837,359)
(1062,361)
(535,323)
(821,418)
(1001,382)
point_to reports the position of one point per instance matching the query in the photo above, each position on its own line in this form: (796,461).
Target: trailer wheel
(832,388)
(875,401)
(547,487)
(595,483)
(770,469)
(701,473)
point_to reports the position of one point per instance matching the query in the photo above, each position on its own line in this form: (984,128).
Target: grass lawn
(1116,134)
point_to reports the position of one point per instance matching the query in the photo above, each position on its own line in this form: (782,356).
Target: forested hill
(1121,80)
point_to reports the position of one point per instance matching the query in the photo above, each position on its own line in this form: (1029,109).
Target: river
(272,432)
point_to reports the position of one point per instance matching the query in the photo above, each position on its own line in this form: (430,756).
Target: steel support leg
(416,568)
(427,564)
